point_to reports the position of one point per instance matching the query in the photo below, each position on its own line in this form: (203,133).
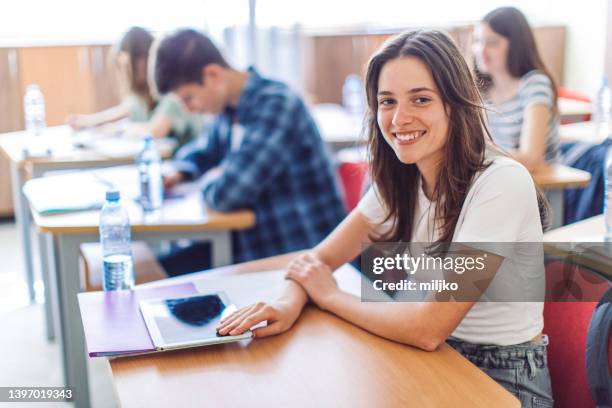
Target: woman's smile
(408,138)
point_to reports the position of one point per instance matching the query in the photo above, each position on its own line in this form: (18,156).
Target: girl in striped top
(519,91)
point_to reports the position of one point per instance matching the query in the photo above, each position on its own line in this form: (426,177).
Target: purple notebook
(113,323)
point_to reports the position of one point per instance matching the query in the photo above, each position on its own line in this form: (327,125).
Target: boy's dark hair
(181,57)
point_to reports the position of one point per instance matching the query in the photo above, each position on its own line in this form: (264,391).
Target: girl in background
(165,117)
(520,93)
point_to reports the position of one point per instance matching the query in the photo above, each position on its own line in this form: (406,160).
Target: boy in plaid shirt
(263,152)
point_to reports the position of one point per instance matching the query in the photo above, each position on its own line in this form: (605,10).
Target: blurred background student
(519,91)
(161,117)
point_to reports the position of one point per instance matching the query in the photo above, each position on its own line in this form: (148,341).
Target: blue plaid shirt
(279,168)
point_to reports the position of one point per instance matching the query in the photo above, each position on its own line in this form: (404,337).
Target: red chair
(566,93)
(599,352)
(563,92)
(352,177)
(566,324)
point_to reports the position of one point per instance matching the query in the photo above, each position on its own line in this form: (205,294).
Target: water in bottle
(34,110)
(116,244)
(608,195)
(150,176)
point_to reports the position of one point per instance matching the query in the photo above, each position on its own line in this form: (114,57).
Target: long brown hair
(397,183)
(136,43)
(523,55)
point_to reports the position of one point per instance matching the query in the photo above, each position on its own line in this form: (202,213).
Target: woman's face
(491,50)
(411,113)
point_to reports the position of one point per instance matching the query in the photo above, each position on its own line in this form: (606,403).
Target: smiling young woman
(437,178)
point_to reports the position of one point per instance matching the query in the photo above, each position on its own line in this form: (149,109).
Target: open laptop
(188,321)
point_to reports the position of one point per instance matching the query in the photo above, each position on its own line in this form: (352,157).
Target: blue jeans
(522,369)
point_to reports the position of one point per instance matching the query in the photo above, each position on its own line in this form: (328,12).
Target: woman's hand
(78,122)
(280,315)
(315,277)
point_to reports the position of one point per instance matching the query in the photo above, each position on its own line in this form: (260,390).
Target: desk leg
(22,218)
(46,270)
(66,250)
(555,197)
(221,248)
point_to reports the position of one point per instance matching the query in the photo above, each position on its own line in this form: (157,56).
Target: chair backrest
(353,176)
(598,356)
(571,94)
(566,93)
(566,324)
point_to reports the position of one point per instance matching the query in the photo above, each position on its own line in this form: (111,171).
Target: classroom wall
(330,57)
(585,22)
(586,38)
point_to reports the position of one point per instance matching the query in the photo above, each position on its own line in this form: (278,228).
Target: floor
(26,357)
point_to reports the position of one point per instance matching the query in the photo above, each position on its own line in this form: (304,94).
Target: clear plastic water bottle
(608,195)
(150,176)
(34,110)
(115,238)
(602,114)
(353,96)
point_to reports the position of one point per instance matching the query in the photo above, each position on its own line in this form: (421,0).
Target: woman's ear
(212,72)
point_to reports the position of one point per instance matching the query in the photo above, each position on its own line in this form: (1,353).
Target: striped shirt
(506,119)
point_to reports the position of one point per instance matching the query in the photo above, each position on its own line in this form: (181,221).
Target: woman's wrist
(328,300)
(294,296)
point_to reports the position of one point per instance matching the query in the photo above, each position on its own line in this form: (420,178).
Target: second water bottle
(150,176)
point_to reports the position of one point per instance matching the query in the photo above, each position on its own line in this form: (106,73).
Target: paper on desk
(65,193)
(117,147)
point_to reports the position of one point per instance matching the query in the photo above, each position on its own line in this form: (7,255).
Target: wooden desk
(556,178)
(62,235)
(28,159)
(585,132)
(571,238)
(322,361)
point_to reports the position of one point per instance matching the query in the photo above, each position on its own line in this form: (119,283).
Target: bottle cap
(148,139)
(112,195)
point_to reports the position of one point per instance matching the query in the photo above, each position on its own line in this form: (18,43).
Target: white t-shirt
(501,206)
